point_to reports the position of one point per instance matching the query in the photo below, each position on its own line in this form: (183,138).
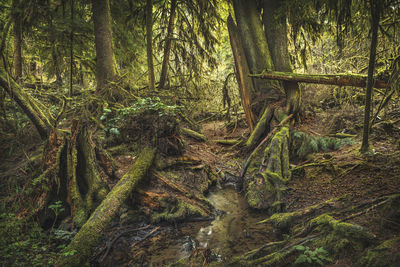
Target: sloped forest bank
(105,166)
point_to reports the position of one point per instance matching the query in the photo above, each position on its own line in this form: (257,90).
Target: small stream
(232,233)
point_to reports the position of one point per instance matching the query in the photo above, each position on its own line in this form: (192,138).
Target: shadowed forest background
(199,133)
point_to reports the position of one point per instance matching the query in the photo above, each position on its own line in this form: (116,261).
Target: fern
(304,144)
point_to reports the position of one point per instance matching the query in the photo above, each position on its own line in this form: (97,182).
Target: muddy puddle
(233,232)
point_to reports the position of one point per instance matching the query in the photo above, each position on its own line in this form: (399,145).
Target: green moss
(340,237)
(385,254)
(180,211)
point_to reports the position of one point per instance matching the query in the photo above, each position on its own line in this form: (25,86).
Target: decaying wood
(246,165)
(88,236)
(261,127)
(35,111)
(193,134)
(356,80)
(228,142)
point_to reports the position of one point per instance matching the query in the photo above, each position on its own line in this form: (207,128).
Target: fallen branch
(246,165)
(144,238)
(193,134)
(356,80)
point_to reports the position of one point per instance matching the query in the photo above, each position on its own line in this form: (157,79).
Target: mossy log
(261,127)
(88,236)
(42,120)
(284,221)
(227,142)
(357,80)
(266,184)
(333,235)
(193,134)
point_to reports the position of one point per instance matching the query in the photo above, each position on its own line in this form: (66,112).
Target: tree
(105,71)
(275,28)
(167,46)
(17,35)
(149,44)
(375,7)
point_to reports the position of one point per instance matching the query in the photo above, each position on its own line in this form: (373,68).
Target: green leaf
(299,247)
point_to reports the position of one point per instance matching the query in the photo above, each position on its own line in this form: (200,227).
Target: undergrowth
(303,144)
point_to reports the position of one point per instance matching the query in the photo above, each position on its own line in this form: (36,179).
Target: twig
(246,165)
(109,245)
(147,236)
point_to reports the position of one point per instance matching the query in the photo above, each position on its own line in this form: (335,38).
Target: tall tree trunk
(242,72)
(257,52)
(103,40)
(275,28)
(17,34)
(167,47)
(375,14)
(149,37)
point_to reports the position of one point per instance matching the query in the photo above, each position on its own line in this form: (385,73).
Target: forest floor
(179,212)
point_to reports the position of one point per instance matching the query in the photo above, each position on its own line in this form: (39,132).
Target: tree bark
(256,49)
(31,107)
(375,14)
(149,45)
(275,28)
(88,236)
(17,34)
(167,47)
(105,71)
(242,72)
(357,80)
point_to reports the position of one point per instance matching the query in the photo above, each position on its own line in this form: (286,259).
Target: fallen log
(42,120)
(193,134)
(357,80)
(88,236)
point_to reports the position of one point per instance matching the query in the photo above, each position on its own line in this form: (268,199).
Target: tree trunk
(375,14)
(275,28)
(257,52)
(242,72)
(105,71)
(149,46)
(17,34)
(357,80)
(88,236)
(31,107)
(167,47)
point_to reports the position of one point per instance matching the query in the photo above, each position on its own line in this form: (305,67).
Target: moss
(340,237)
(88,236)
(385,254)
(180,211)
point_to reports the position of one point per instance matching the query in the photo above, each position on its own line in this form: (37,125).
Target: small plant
(319,256)
(57,208)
